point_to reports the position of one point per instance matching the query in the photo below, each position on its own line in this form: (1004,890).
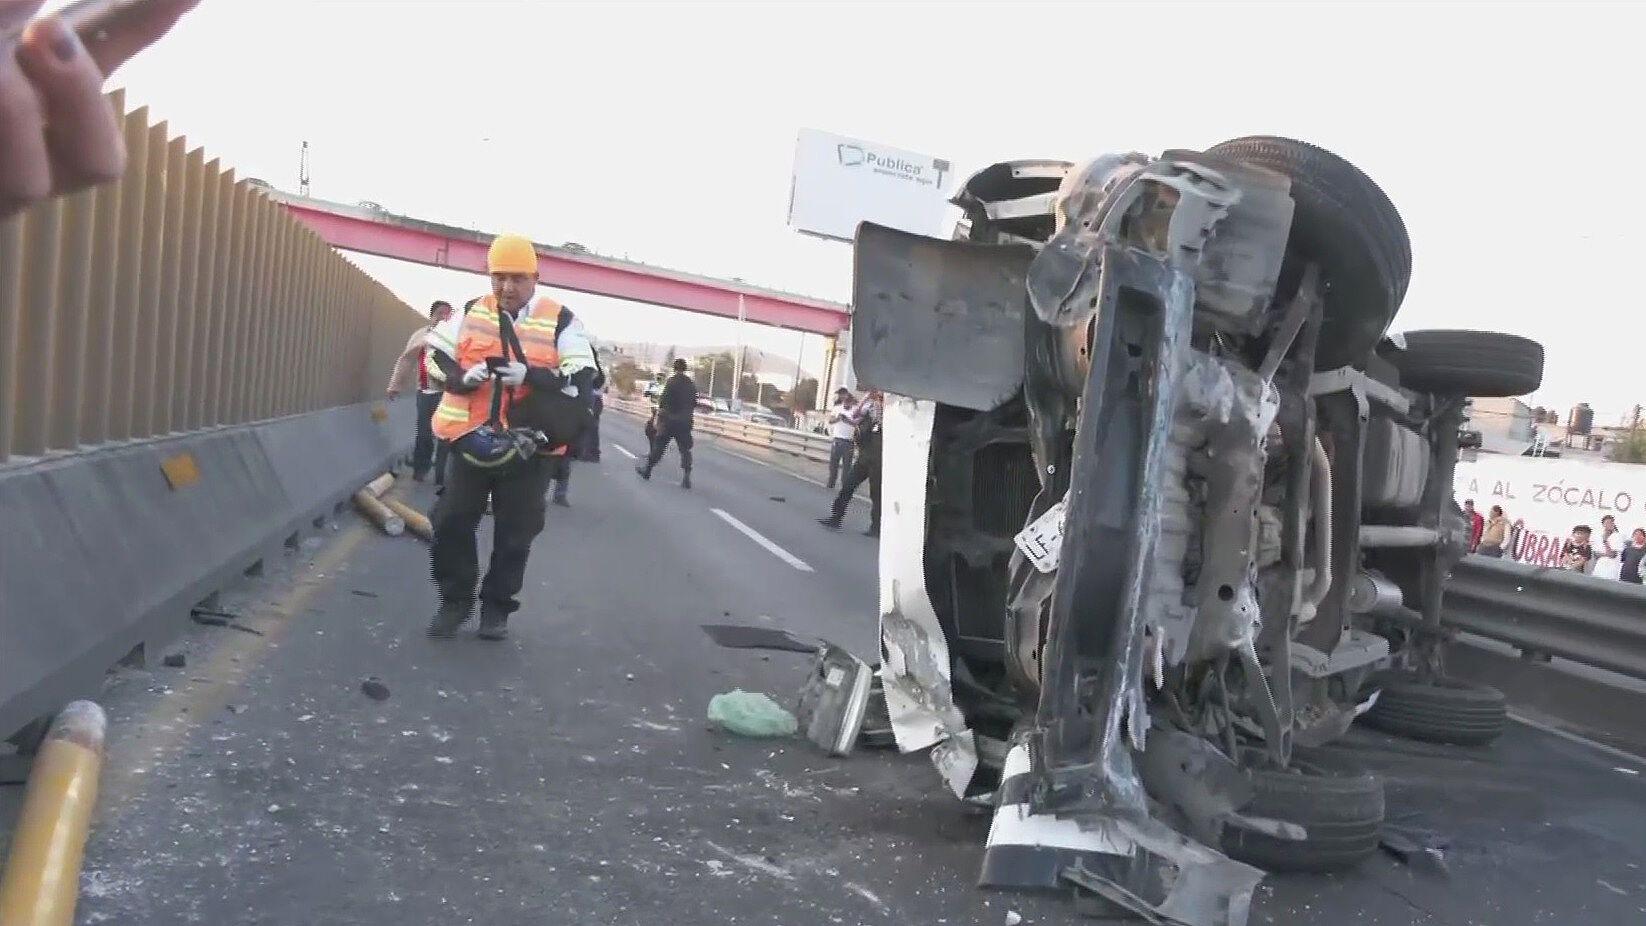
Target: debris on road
(1013,918)
(834,699)
(740,636)
(374,689)
(1420,849)
(748,713)
(174,661)
(362,593)
(237,708)
(221,619)
(779,498)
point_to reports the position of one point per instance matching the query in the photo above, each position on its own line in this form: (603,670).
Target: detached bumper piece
(1138,867)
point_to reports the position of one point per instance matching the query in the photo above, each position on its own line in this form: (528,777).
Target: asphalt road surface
(568,775)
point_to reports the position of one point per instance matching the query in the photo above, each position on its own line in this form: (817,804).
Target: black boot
(686,479)
(560,496)
(830,523)
(494,625)
(644,470)
(446,621)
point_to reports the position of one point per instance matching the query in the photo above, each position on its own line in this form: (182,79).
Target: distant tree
(668,359)
(749,389)
(805,395)
(1630,447)
(624,375)
(713,374)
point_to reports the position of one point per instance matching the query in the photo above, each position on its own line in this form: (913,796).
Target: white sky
(665,132)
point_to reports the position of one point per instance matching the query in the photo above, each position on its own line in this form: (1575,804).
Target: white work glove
(512,373)
(476,374)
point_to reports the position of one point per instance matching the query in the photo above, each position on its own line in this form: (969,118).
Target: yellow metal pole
(380,485)
(416,521)
(380,515)
(41,881)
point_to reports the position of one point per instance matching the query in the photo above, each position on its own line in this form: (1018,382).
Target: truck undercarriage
(1166,511)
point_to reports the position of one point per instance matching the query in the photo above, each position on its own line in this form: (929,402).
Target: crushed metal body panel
(1158,545)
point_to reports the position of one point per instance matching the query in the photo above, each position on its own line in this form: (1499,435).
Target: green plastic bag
(749,713)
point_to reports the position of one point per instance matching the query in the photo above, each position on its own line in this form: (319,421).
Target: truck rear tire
(1488,364)
(1337,802)
(1345,224)
(1440,710)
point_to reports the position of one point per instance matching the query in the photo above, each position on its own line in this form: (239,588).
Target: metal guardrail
(814,447)
(1596,622)
(1592,621)
(177,299)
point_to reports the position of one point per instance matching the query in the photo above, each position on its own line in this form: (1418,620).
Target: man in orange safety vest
(485,375)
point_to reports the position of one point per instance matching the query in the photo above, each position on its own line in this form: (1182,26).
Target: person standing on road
(866,420)
(1495,534)
(576,355)
(674,422)
(590,451)
(1577,552)
(843,435)
(501,351)
(412,365)
(1477,525)
(1629,560)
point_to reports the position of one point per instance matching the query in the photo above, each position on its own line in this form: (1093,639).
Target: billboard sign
(1545,498)
(839,182)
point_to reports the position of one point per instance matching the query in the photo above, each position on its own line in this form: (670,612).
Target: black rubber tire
(1441,710)
(1336,801)
(1346,224)
(1470,363)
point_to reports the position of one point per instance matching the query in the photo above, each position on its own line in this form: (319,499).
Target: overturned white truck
(1165,510)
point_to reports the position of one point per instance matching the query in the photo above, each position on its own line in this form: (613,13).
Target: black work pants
(590,451)
(516,494)
(840,458)
(560,470)
(867,467)
(426,451)
(678,431)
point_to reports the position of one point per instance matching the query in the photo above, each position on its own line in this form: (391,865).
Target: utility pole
(737,364)
(303,170)
(798,353)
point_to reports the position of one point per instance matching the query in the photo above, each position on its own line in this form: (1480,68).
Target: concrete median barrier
(41,880)
(109,548)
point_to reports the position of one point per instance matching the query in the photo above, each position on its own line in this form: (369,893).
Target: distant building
(1581,420)
(1505,425)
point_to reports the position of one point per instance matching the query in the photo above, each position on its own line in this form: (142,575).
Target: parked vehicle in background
(1166,510)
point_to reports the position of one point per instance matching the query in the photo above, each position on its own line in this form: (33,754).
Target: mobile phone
(496,363)
(114,30)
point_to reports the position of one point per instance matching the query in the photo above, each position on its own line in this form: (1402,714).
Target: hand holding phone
(58,130)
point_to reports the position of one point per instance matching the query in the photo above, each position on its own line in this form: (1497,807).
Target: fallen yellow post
(373,508)
(41,881)
(416,521)
(380,485)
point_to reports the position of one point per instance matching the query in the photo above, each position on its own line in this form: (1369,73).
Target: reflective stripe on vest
(480,337)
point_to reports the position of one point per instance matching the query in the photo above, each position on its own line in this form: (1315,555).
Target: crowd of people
(1607,556)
